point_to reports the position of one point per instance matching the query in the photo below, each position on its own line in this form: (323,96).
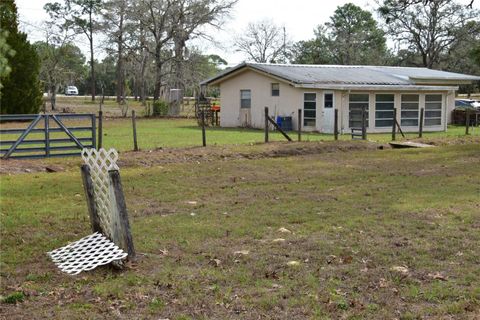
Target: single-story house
(246,89)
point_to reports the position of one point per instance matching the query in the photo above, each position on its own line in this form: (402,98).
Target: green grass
(353,216)
(155,133)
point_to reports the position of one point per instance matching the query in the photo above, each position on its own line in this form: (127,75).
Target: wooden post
(134,124)
(100,129)
(467,121)
(47,135)
(364,123)
(266,124)
(420,125)
(299,124)
(335,124)
(204,138)
(90,196)
(394,124)
(122,235)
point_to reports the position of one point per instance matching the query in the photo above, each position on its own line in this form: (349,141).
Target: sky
(300,17)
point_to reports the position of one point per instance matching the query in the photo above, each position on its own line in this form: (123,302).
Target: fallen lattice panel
(86,254)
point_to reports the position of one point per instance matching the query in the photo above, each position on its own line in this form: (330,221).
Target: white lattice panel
(100,161)
(86,254)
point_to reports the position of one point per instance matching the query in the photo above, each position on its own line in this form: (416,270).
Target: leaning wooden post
(204,138)
(467,121)
(90,195)
(266,124)
(364,123)
(100,129)
(394,124)
(420,129)
(299,124)
(122,235)
(134,124)
(335,124)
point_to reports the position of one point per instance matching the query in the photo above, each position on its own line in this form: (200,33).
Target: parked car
(466,103)
(71,91)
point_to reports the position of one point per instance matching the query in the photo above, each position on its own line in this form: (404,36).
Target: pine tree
(20,92)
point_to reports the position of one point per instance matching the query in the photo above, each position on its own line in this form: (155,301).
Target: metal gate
(47,135)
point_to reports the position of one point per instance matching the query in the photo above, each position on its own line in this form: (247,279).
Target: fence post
(134,124)
(467,121)
(299,124)
(100,129)
(204,138)
(335,124)
(121,226)
(47,135)
(422,115)
(394,125)
(364,123)
(90,196)
(266,124)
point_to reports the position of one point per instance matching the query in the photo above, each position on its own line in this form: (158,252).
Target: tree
(21,88)
(351,36)
(429,29)
(189,16)
(62,64)
(79,14)
(264,41)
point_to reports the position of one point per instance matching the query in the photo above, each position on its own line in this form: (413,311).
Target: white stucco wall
(291,99)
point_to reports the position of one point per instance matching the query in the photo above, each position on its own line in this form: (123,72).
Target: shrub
(160,108)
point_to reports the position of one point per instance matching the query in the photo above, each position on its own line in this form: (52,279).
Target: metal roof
(307,75)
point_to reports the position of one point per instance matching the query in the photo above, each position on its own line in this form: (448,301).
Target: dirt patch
(258,151)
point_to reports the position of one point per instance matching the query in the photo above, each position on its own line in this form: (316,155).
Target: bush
(14,298)
(160,108)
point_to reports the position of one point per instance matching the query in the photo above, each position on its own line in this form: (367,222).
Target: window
(356,104)
(410,103)
(384,104)
(275,89)
(245,98)
(309,109)
(328,100)
(433,109)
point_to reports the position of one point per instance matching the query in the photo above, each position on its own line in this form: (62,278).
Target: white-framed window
(409,109)
(245,98)
(328,100)
(384,104)
(433,109)
(309,109)
(357,101)
(275,89)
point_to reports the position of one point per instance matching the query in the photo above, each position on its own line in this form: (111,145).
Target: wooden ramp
(409,144)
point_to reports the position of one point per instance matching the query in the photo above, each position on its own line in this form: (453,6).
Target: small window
(275,89)
(433,109)
(328,101)
(309,109)
(245,98)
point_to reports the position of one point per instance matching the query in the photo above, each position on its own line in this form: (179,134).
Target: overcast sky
(299,17)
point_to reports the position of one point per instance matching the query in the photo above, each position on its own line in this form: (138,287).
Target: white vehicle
(71,91)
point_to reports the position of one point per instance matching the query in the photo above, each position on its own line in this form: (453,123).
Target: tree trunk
(158,75)
(53,97)
(120,65)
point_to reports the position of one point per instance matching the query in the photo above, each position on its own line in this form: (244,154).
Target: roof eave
(377,87)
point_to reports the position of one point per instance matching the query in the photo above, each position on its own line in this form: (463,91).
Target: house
(320,89)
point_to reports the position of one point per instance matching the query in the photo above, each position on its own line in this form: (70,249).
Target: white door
(328,113)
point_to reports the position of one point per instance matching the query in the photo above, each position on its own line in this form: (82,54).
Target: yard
(322,230)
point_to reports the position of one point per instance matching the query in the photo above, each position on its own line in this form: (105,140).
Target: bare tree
(264,41)
(190,15)
(429,28)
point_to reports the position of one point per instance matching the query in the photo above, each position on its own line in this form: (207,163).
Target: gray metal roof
(299,74)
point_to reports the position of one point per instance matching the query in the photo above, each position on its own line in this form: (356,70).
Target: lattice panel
(86,254)
(100,161)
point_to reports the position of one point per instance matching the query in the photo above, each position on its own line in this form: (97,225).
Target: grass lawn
(370,235)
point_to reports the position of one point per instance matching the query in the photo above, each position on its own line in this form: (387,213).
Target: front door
(328,113)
